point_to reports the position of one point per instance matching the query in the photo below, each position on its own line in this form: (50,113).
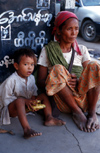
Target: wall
(23,23)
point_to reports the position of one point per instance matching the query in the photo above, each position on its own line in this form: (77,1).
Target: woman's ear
(16,66)
(58,31)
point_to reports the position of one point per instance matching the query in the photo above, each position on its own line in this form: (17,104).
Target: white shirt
(12,88)
(78,59)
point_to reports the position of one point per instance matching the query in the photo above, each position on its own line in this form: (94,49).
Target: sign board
(23,23)
(69,4)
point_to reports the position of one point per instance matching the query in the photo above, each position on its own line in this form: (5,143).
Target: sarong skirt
(58,79)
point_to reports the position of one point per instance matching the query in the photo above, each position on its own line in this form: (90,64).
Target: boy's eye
(32,64)
(25,64)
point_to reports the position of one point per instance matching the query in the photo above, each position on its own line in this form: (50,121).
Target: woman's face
(69,31)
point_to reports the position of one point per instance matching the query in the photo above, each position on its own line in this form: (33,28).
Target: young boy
(19,91)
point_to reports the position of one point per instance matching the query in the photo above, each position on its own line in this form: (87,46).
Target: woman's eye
(69,28)
(77,28)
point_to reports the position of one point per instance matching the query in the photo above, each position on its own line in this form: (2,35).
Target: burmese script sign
(23,24)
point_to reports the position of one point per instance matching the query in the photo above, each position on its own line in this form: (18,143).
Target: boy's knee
(19,101)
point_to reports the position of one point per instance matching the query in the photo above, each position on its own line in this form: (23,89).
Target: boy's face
(25,67)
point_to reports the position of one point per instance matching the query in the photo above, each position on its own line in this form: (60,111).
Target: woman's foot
(51,121)
(80,120)
(92,123)
(31,133)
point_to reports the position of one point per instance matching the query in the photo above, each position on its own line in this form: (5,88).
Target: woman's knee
(60,70)
(93,66)
(58,66)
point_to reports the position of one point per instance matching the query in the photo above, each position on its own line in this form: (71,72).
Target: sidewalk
(58,139)
(62,139)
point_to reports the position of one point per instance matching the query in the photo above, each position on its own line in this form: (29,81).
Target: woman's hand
(73,81)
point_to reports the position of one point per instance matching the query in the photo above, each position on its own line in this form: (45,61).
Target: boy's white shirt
(12,88)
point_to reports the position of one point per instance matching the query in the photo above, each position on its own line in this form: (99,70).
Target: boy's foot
(80,120)
(93,123)
(31,133)
(51,121)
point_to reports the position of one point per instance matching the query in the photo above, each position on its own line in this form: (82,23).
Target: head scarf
(60,18)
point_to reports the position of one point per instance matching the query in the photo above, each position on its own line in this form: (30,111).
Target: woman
(76,92)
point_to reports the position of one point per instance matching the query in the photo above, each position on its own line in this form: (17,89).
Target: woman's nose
(73,31)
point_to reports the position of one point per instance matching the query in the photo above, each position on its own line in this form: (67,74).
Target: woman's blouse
(78,59)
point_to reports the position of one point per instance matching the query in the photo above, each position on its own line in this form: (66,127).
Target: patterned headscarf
(60,18)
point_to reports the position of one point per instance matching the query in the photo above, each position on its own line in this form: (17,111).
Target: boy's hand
(73,80)
(33,97)
(34,105)
(30,103)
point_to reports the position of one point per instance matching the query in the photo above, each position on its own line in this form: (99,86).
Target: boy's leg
(17,108)
(93,122)
(49,119)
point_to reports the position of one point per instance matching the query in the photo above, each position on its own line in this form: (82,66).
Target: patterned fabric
(60,18)
(58,79)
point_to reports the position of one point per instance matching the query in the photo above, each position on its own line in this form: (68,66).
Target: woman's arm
(84,64)
(41,76)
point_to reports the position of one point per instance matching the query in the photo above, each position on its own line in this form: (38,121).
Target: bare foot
(31,133)
(92,123)
(51,121)
(80,120)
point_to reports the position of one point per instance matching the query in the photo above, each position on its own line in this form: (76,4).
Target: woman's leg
(17,108)
(56,84)
(89,83)
(49,119)
(78,116)
(93,122)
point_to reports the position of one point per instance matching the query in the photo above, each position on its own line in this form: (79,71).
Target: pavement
(57,139)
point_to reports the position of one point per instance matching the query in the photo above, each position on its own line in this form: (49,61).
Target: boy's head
(24,61)
(24,52)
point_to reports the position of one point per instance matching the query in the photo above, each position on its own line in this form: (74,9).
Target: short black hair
(24,51)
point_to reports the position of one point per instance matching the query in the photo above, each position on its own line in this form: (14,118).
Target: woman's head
(62,21)
(63,16)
